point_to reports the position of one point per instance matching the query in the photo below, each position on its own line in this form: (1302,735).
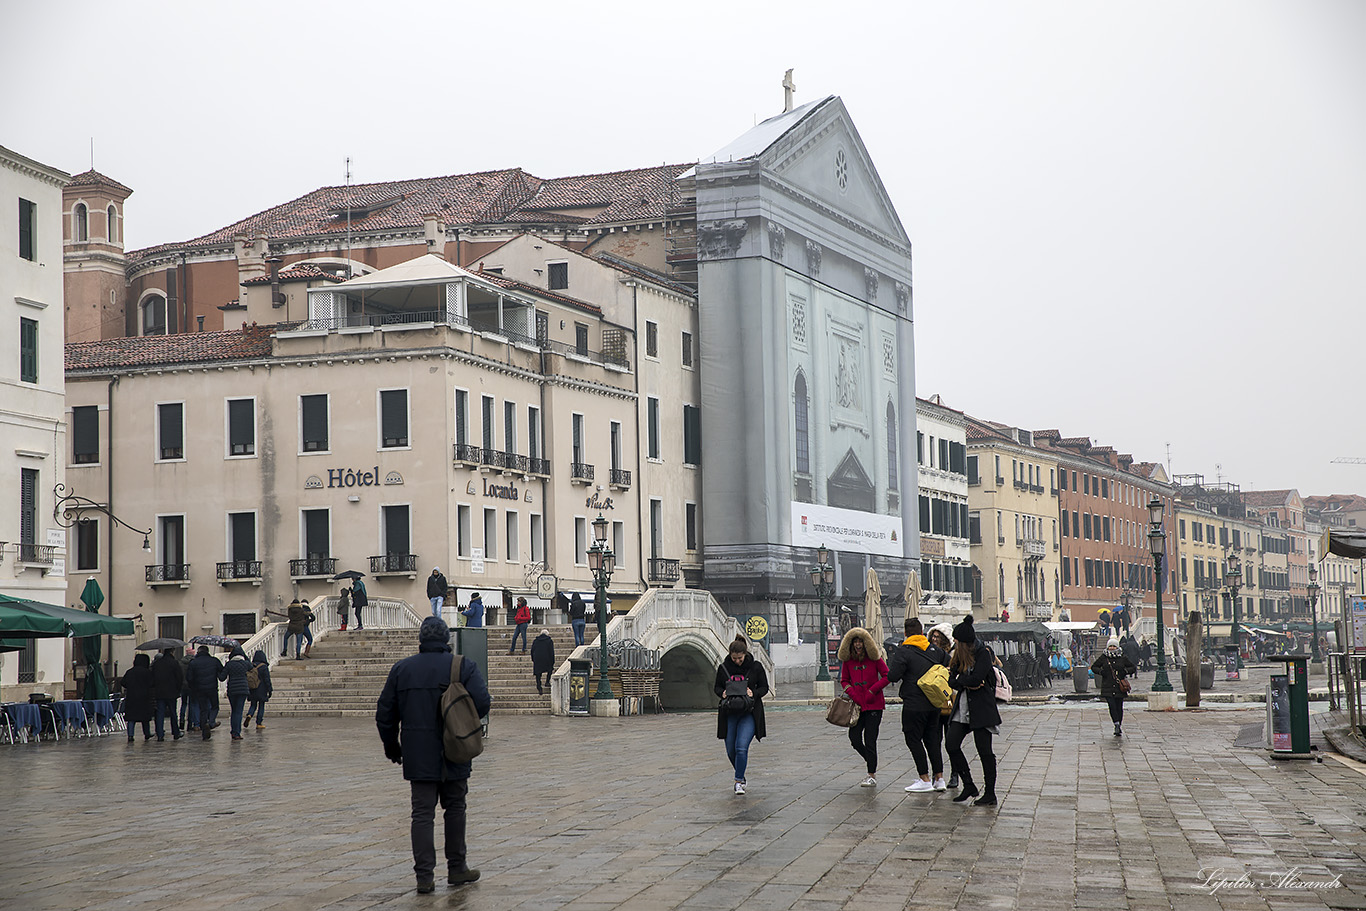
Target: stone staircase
(347,670)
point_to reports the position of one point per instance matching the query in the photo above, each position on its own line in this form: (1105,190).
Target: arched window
(891,447)
(112,224)
(82,226)
(803,437)
(154,315)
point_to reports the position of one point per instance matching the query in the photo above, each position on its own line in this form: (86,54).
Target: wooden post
(1193,653)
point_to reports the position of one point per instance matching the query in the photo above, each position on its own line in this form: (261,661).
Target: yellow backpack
(935,685)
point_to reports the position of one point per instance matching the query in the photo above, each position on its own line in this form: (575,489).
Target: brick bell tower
(93,258)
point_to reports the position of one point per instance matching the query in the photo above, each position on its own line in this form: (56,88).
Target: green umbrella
(12,645)
(33,619)
(96,687)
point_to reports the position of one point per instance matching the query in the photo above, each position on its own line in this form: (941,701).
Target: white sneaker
(869,782)
(939,783)
(739,787)
(920,785)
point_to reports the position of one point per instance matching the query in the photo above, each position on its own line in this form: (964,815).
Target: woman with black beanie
(973,675)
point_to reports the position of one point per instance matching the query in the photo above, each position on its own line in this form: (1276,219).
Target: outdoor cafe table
(24,715)
(101,710)
(71,713)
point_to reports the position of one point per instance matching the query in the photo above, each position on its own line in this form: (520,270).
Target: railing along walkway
(380,613)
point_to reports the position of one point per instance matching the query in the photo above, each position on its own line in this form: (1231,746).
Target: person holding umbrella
(138,687)
(358,601)
(203,676)
(167,678)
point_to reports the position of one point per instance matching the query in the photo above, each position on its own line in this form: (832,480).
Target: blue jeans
(519,631)
(436,605)
(237,703)
(300,637)
(256,708)
(578,630)
(739,733)
(165,708)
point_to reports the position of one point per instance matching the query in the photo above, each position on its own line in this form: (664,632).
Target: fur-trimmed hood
(872,648)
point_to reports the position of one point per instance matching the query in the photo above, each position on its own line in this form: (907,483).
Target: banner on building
(846,530)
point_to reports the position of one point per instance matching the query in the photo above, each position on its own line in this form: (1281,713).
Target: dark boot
(988,798)
(969,790)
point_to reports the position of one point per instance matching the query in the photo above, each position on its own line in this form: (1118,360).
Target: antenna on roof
(788,88)
(92,153)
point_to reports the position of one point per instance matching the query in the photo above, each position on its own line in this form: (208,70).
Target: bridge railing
(379,613)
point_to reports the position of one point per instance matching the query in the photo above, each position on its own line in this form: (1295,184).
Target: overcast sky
(1140,222)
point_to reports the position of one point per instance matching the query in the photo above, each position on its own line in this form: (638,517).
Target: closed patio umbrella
(96,687)
(913,595)
(872,607)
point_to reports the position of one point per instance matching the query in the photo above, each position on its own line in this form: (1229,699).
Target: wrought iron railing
(239,569)
(620,477)
(580,471)
(394,563)
(313,566)
(466,452)
(539,466)
(491,457)
(663,570)
(36,553)
(518,463)
(168,572)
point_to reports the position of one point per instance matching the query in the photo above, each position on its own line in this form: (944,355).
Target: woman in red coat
(863,674)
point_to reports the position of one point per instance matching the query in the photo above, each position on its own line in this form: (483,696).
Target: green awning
(23,618)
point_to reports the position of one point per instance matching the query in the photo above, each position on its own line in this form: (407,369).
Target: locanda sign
(501,491)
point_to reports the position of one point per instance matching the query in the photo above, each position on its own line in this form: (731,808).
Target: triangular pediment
(850,471)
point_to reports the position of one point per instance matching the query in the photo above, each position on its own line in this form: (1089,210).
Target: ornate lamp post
(68,510)
(1157,539)
(823,578)
(602,562)
(1313,613)
(1233,578)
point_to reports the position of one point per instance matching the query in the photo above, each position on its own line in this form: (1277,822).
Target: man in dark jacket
(167,679)
(919,717)
(410,726)
(577,612)
(238,687)
(436,590)
(542,658)
(203,675)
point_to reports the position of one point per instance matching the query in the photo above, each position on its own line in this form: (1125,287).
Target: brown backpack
(462,731)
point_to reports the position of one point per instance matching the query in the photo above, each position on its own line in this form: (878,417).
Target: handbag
(1004,691)
(1125,686)
(736,698)
(843,712)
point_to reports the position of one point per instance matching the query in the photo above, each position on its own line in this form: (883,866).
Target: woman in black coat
(739,728)
(139,696)
(973,674)
(1111,667)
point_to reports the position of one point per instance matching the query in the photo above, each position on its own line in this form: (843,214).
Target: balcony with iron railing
(580,473)
(168,574)
(620,478)
(313,568)
(663,570)
(394,565)
(516,464)
(490,458)
(467,454)
(539,467)
(36,554)
(240,571)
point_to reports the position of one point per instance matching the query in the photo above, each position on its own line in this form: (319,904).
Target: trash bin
(1206,674)
(1287,706)
(1080,677)
(1231,663)
(579,671)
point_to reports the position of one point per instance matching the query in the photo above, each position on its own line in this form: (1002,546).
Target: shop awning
(1219,630)
(25,619)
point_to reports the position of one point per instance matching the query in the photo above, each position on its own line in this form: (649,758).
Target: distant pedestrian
(436,590)
(523,620)
(1145,652)
(920,724)
(408,717)
(189,705)
(1111,669)
(139,696)
(258,696)
(344,605)
(359,601)
(296,627)
(1131,650)
(168,679)
(203,676)
(741,720)
(238,687)
(863,676)
(578,611)
(972,673)
(941,637)
(542,658)
(474,614)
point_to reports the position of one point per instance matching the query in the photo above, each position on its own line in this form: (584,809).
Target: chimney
(201,323)
(277,298)
(434,229)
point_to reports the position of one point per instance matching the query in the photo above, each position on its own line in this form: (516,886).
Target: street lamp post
(1233,578)
(823,578)
(1313,613)
(602,562)
(1157,539)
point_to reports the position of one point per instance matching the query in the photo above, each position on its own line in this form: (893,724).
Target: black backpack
(736,698)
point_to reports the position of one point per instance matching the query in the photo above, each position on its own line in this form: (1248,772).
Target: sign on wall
(846,530)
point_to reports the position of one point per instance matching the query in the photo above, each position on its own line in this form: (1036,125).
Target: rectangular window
(690,525)
(692,435)
(1090,573)
(241,427)
(656,527)
(172,543)
(88,545)
(924,515)
(581,338)
(317,534)
(313,421)
(513,531)
(462,417)
(1086,526)
(486,412)
(533,432)
(687,349)
(171,431)
(1181,527)
(1109,574)
(1105,526)
(85,435)
(616,445)
(972,471)
(393,418)
(28,230)
(462,531)
(1086,484)
(397,531)
(509,427)
(576,423)
(241,537)
(537,545)
(490,534)
(619,541)
(580,541)
(651,339)
(1105,488)
(1064,524)
(28,350)
(652,422)
(1066,572)
(920,448)
(28,506)
(558,275)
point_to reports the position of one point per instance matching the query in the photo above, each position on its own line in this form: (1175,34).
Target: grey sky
(1141,222)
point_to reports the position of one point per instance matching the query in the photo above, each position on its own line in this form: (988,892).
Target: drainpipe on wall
(109,547)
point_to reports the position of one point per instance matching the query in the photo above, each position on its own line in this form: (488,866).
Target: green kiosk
(1287,708)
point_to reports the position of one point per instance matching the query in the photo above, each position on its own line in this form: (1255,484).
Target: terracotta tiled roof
(187,348)
(1266,497)
(513,285)
(650,275)
(304,272)
(93,178)
(1335,501)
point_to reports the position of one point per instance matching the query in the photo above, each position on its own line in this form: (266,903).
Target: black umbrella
(220,641)
(156,645)
(349,574)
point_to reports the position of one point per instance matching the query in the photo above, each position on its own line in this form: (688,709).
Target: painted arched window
(82,232)
(803,436)
(154,315)
(112,224)
(891,447)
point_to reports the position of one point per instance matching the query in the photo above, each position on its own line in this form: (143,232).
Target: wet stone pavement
(638,813)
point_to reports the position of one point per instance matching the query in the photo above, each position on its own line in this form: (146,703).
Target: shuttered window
(242,527)
(692,435)
(28,350)
(462,416)
(393,410)
(28,505)
(171,430)
(396,530)
(652,426)
(28,232)
(85,434)
(241,427)
(313,417)
(317,543)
